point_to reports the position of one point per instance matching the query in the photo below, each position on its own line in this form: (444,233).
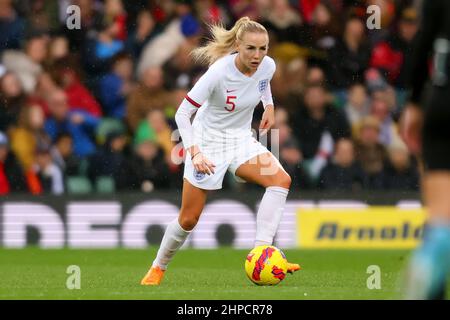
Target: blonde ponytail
(223,41)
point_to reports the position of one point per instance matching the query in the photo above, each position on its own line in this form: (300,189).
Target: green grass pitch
(34,273)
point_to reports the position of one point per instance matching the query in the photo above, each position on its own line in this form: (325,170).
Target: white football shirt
(225,99)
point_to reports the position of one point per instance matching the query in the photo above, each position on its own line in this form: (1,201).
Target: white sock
(269,215)
(173,239)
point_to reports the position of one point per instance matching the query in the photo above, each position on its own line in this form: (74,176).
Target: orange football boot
(292,267)
(153,277)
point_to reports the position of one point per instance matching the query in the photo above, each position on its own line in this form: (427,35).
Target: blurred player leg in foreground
(430,263)
(426,132)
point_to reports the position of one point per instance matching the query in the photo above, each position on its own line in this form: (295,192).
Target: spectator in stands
(101,48)
(315,75)
(316,118)
(116,86)
(108,42)
(58,49)
(12,98)
(148,95)
(292,159)
(357,106)
(286,145)
(388,128)
(146,29)
(371,154)
(401,171)
(44,88)
(380,89)
(108,160)
(28,64)
(155,122)
(63,156)
(393,55)
(282,20)
(251,9)
(61,57)
(42,15)
(294,79)
(342,173)
(278,83)
(349,58)
(78,96)
(11,27)
(324,28)
(211,12)
(79,124)
(146,170)
(28,134)
(115,12)
(50,175)
(185,27)
(296,73)
(180,71)
(11,174)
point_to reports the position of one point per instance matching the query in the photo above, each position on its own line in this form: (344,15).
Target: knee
(283,180)
(280,180)
(188,222)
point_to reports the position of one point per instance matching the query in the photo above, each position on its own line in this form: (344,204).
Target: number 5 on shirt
(230,103)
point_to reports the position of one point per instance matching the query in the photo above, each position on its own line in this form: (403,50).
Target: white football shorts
(225,157)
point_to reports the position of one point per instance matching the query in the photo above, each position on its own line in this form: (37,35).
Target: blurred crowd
(91,109)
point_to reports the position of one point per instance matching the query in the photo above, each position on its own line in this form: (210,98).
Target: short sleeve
(272,67)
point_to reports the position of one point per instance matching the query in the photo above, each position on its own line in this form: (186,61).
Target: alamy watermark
(73,20)
(374,20)
(374,280)
(74,279)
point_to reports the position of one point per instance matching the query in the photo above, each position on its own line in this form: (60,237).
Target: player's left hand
(268,120)
(411,124)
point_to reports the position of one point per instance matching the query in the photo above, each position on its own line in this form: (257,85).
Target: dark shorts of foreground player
(436,130)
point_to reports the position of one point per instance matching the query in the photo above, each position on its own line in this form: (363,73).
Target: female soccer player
(220,136)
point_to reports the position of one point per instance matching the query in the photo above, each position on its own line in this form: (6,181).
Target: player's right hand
(202,164)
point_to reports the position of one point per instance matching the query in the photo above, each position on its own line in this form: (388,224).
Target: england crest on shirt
(262,85)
